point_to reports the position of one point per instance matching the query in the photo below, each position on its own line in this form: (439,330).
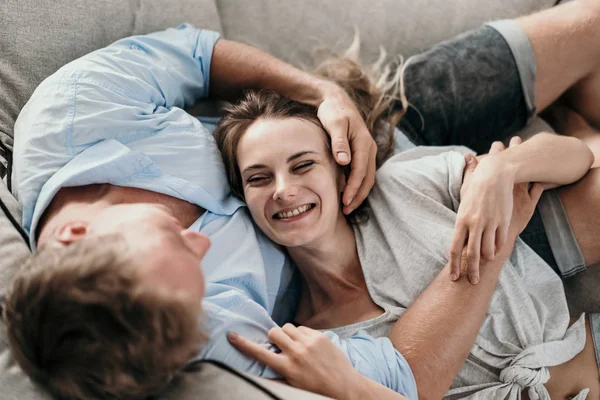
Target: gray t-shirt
(403,247)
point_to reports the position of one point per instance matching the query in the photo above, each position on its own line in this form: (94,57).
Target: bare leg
(581,201)
(568,122)
(566,45)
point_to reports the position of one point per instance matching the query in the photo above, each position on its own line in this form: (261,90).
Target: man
(111,172)
(433,360)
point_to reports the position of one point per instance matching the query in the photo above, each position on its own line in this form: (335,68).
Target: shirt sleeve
(128,91)
(377,359)
(169,68)
(424,175)
(232,311)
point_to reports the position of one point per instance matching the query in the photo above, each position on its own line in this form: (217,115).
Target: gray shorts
(477,88)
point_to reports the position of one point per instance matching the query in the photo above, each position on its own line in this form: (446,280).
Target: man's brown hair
(81,323)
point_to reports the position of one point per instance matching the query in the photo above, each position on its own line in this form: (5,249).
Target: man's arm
(235,67)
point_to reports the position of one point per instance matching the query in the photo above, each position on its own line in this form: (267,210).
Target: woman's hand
(484,213)
(350,141)
(308,360)
(525,199)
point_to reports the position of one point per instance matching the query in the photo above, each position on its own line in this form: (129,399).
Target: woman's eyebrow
(289,160)
(300,154)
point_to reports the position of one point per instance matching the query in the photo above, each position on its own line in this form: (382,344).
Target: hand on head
(351,143)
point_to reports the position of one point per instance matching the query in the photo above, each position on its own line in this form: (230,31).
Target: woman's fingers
(281,339)
(515,141)
(501,236)
(456,248)
(488,243)
(256,351)
(473,256)
(496,147)
(293,332)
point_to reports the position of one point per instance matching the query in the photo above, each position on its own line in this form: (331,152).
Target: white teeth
(293,213)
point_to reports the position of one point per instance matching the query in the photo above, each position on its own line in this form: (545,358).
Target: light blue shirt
(117,116)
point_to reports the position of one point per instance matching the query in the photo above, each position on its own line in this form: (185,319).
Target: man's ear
(71,231)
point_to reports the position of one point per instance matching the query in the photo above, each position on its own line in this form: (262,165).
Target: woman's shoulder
(423,160)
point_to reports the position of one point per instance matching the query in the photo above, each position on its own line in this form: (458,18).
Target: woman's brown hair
(374,90)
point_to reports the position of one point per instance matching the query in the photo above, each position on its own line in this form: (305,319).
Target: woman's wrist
(494,165)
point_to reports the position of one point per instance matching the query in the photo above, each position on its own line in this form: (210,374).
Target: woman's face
(291,183)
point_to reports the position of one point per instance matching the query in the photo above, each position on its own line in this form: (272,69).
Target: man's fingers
(456,248)
(255,351)
(359,170)
(488,244)
(473,249)
(365,186)
(340,146)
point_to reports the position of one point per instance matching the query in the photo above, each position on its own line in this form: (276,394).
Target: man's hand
(351,143)
(484,212)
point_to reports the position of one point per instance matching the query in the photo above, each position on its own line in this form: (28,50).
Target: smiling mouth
(295,212)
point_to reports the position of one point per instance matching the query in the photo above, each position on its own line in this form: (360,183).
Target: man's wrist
(322,89)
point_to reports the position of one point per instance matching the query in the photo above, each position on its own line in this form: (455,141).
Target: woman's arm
(437,331)
(548,158)
(486,203)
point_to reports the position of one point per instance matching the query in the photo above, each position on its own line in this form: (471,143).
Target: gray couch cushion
(207,381)
(13,250)
(39,36)
(14,247)
(291,29)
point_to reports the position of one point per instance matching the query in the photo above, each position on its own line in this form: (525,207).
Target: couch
(39,36)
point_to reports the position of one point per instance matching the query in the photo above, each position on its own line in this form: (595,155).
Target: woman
(363,272)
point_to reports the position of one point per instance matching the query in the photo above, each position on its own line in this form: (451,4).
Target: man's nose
(285,189)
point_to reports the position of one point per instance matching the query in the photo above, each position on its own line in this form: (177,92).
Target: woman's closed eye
(256,179)
(303,166)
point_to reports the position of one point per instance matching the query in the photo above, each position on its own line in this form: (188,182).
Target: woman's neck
(331,270)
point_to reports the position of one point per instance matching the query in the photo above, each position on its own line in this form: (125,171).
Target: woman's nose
(285,189)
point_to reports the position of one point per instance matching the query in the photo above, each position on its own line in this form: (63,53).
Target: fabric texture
(39,36)
(208,380)
(403,247)
(292,30)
